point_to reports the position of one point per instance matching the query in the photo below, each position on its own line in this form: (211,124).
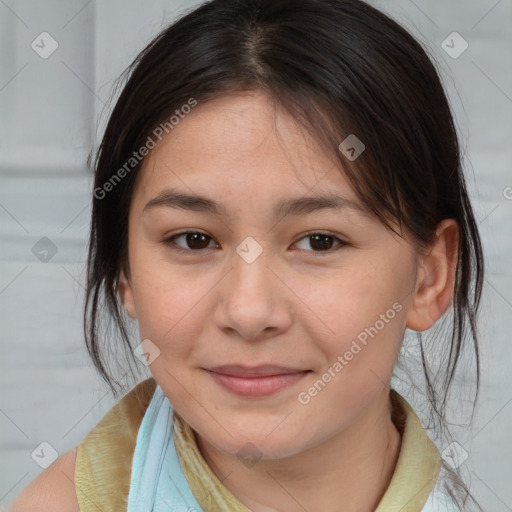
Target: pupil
(194,237)
(314,239)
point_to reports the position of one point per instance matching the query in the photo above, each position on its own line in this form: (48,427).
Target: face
(305,308)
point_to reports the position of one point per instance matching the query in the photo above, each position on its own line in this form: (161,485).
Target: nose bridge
(250,263)
(251,302)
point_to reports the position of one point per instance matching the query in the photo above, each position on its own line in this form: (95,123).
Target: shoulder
(114,437)
(52,490)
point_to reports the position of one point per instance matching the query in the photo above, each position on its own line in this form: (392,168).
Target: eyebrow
(171,198)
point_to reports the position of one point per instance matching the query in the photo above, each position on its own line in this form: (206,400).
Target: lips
(254,371)
(255,381)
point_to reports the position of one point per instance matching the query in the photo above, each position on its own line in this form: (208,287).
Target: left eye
(196,241)
(322,241)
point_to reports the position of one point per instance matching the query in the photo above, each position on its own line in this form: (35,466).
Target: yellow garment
(103,466)
(104,457)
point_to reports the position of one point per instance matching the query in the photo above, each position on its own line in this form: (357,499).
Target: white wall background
(49,118)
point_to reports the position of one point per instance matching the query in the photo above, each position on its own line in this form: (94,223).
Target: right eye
(194,240)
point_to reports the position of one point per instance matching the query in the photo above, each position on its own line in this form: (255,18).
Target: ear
(436,278)
(125,291)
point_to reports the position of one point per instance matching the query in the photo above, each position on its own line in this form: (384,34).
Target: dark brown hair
(339,67)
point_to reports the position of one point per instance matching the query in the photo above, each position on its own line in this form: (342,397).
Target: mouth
(255,381)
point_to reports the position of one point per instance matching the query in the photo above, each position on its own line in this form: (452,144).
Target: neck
(348,472)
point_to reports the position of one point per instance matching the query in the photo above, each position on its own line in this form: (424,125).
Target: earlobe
(435,284)
(124,288)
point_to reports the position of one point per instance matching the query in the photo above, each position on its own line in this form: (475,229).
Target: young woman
(278,196)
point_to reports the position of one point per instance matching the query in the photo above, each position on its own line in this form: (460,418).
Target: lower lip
(257,386)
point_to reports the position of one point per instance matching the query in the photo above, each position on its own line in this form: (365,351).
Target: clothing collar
(414,478)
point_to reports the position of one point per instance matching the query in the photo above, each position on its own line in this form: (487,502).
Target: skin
(295,305)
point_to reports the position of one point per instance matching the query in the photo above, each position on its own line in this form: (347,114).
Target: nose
(254,302)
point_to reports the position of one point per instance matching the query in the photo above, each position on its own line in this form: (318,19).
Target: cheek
(341,304)
(357,363)
(363,314)
(169,305)
(170,315)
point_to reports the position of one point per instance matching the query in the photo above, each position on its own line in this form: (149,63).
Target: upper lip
(237,370)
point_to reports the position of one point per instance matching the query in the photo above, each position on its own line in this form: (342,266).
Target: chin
(257,442)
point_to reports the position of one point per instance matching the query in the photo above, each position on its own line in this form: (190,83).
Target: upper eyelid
(308,233)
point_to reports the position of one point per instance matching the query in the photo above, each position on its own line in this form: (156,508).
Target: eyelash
(169,241)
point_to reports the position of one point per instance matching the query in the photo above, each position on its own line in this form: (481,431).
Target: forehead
(240,145)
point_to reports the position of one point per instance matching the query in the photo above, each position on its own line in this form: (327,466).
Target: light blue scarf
(157,481)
